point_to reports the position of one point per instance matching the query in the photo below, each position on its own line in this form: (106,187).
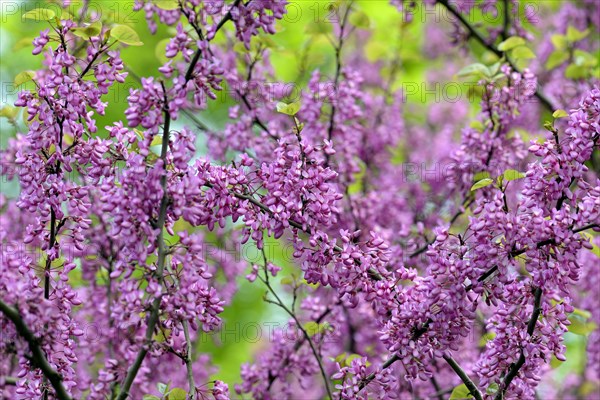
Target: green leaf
(560,42)
(556,58)
(486,337)
(477,125)
(493,388)
(477,70)
(575,35)
(23,77)
(574,71)
(162,387)
(340,358)
(360,20)
(513,175)
(150,397)
(166,4)
(595,249)
(522,53)
(348,360)
(125,34)
(156,140)
(584,59)
(481,175)
(9,112)
(288,109)
(482,183)
(560,114)
(22,43)
(40,14)
(460,392)
(511,43)
(160,50)
(287,280)
(177,394)
(580,325)
(89,31)
(313,328)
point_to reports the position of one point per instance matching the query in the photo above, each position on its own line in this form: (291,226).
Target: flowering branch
(162,251)
(477,35)
(514,370)
(38,359)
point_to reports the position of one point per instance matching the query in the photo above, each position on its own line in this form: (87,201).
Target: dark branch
(38,358)
(464,377)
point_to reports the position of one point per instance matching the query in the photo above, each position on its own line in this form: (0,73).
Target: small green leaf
(150,397)
(549,126)
(513,175)
(288,109)
(522,53)
(156,140)
(482,183)
(560,42)
(23,77)
(177,394)
(40,14)
(574,71)
(340,358)
(481,175)
(511,43)
(477,125)
(460,392)
(89,31)
(584,59)
(560,114)
(287,280)
(595,249)
(486,337)
(495,68)
(125,34)
(360,20)
(22,43)
(9,112)
(348,360)
(575,35)
(581,326)
(492,389)
(162,387)
(556,58)
(477,70)
(166,4)
(313,328)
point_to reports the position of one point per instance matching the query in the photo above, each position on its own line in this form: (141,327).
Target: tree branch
(158,274)
(464,377)
(514,369)
(38,358)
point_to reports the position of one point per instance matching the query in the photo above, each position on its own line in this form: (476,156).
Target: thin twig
(298,324)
